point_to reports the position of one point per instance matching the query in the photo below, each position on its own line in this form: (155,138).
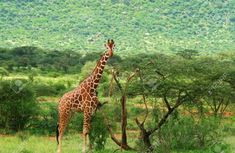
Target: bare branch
(166,102)
(159,73)
(179,101)
(110,130)
(143,96)
(119,143)
(225,106)
(111,85)
(116,80)
(123,143)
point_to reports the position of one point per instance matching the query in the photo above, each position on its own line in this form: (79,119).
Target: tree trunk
(124,120)
(145,135)
(123,143)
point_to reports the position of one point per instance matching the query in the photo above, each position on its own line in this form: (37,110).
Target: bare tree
(123,89)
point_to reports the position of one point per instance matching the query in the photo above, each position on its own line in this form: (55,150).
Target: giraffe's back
(72,100)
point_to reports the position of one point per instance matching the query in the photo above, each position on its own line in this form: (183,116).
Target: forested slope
(137,26)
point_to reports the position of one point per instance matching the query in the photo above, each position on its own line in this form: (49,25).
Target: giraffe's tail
(57,133)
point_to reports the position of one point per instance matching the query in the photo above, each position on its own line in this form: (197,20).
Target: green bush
(115,113)
(48,90)
(17,104)
(76,123)
(187,133)
(99,133)
(43,90)
(53,74)
(134,111)
(46,120)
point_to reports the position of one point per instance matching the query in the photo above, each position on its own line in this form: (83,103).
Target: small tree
(99,133)
(219,98)
(17,104)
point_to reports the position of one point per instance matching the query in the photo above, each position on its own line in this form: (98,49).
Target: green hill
(137,26)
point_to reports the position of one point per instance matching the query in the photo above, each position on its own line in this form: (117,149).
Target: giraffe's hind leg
(64,116)
(86,129)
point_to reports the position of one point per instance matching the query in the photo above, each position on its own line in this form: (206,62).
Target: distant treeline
(68,61)
(28,57)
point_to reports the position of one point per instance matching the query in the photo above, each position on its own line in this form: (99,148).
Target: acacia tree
(197,81)
(219,99)
(217,75)
(176,81)
(173,95)
(173,82)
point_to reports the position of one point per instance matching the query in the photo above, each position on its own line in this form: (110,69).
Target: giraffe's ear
(110,44)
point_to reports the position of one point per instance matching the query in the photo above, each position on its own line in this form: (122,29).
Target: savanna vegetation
(169,88)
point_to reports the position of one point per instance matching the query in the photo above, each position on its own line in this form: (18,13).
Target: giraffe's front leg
(86,128)
(84,143)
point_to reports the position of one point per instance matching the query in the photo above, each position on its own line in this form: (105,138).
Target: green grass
(230,140)
(230,137)
(39,144)
(71,144)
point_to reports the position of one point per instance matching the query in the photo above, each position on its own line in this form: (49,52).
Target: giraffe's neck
(97,72)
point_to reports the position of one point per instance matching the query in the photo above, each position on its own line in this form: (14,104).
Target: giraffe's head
(110,46)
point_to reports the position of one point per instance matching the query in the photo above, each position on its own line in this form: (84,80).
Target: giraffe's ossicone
(82,99)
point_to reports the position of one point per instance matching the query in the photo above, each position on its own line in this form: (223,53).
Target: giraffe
(82,99)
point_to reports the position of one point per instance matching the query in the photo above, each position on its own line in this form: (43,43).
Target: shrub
(46,120)
(48,90)
(115,113)
(53,74)
(43,90)
(99,133)
(134,111)
(186,133)
(17,104)
(76,123)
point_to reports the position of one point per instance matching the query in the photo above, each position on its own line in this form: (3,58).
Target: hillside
(143,26)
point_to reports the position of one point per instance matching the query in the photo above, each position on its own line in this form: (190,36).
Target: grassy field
(231,140)
(24,142)
(71,144)
(42,144)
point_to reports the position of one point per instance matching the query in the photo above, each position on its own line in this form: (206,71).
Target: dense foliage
(28,58)
(18,105)
(99,133)
(138,26)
